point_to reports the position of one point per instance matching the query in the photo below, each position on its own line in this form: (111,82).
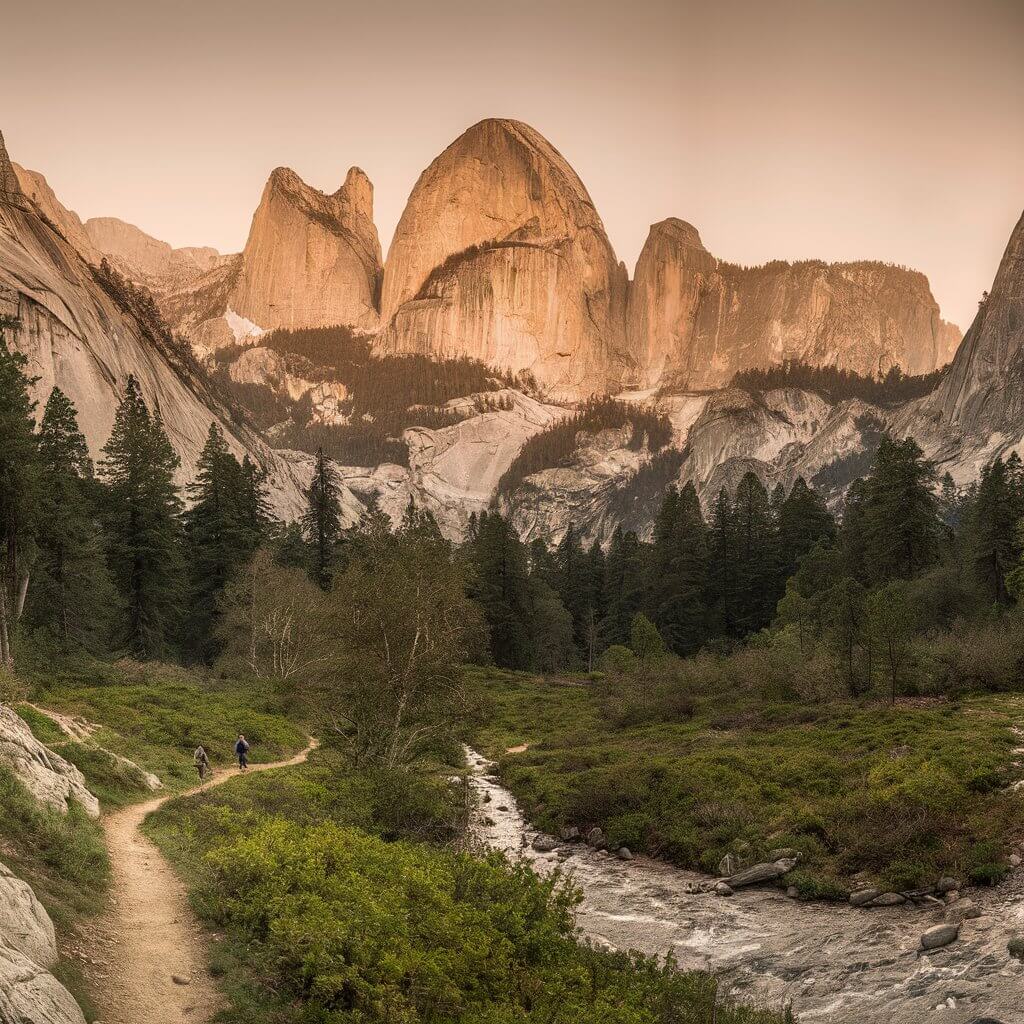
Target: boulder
(760,873)
(946,884)
(570,834)
(888,899)
(24,924)
(722,889)
(596,838)
(46,775)
(962,910)
(940,935)
(1015,860)
(544,844)
(29,994)
(861,897)
(624,853)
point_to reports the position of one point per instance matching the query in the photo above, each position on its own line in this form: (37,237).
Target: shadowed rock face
(694,321)
(78,337)
(501,256)
(978,411)
(311,260)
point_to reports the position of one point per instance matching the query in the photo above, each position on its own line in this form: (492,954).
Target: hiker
(241,749)
(202,763)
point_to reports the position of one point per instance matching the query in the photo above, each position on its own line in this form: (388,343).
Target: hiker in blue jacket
(242,749)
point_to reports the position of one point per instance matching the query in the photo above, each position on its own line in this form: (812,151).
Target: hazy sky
(886,129)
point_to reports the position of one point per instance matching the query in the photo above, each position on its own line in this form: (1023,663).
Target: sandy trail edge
(150,935)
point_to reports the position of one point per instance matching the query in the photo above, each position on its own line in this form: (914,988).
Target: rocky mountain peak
(311,259)
(10,190)
(680,232)
(501,256)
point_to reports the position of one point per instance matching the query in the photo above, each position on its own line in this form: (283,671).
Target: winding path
(156,970)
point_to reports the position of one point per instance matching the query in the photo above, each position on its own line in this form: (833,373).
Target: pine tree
(756,581)
(679,573)
(72,594)
(625,590)
(19,482)
(997,510)
(144,524)
(571,581)
(901,512)
(322,521)
(803,521)
(722,565)
(224,526)
(500,584)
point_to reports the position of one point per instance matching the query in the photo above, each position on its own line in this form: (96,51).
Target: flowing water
(833,963)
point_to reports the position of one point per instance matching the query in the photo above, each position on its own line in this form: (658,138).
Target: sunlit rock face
(977,412)
(501,256)
(79,337)
(311,260)
(694,321)
(145,258)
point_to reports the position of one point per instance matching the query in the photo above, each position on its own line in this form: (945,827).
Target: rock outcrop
(977,412)
(694,321)
(311,260)
(29,993)
(82,337)
(501,256)
(37,189)
(46,775)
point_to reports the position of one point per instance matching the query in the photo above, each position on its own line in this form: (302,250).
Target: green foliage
(321,522)
(693,757)
(644,639)
(62,856)
(324,921)
(143,524)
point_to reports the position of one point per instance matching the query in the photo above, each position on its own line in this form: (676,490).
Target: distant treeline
(892,389)
(556,444)
(386,394)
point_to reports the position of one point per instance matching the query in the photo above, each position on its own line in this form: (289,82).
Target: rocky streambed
(834,963)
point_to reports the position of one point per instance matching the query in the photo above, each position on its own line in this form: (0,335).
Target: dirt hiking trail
(156,951)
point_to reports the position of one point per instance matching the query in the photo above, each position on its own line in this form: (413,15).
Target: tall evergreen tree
(144,524)
(722,566)
(571,581)
(679,573)
(322,520)
(625,591)
(72,594)
(998,509)
(902,524)
(803,521)
(19,479)
(757,586)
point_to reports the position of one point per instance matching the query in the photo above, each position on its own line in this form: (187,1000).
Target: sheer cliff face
(78,337)
(501,256)
(311,260)
(694,321)
(143,257)
(978,410)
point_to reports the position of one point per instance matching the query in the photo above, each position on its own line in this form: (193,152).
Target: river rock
(888,899)
(46,775)
(760,873)
(722,889)
(793,892)
(940,935)
(24,924)
(1014,860)
(946,885)
(29,994)
(570,834)
(595,838)
(863,896)
(963,910)
(624,853)
(544,844)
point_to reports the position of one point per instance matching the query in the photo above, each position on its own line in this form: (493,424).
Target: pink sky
(792,129)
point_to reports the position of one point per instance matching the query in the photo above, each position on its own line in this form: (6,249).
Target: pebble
(940,935)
